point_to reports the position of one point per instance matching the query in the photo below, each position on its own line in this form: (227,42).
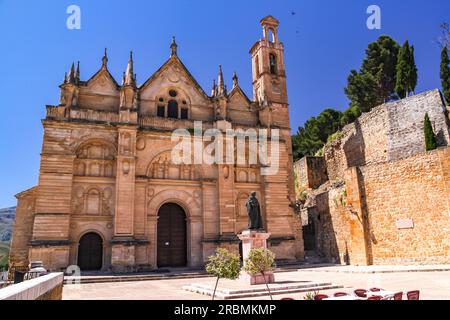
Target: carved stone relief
(141,143)
(162,167)
(95,160)
(247,175)
(93,200)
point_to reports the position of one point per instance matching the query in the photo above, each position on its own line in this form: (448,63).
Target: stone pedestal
(123,257)
(252,239)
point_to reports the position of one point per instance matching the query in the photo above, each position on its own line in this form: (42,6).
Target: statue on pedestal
(254,213)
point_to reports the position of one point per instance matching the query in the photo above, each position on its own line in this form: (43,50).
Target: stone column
(225,183)
(253,240)
(123,244)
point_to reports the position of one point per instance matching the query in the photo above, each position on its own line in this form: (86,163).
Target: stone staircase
(176,273)
(260,291)
(105,277)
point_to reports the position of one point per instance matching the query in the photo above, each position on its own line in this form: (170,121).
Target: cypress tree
(430,139)
(403,71)
(413,76)
(445,74)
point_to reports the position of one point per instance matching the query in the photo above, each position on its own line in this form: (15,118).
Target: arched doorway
(172,240)
(90,252)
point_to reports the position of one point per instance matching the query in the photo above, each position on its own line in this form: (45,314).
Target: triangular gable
(101,80)
(174,60)
(238,97)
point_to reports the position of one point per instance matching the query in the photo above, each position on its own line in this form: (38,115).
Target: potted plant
(225,265)
(260,261)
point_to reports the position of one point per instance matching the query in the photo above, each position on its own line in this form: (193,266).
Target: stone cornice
(128,241)
(232,238)
(50,243)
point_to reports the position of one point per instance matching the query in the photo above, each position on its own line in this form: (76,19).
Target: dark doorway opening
(309,236)
(90,252)
(172,236)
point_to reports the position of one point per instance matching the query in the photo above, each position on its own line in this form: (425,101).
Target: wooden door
(172,243)
(90,252)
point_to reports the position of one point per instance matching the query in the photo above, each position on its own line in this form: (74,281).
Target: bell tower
(269,75)
(270,96)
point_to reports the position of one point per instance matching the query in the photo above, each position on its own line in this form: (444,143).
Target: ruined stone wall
(332,227)
(311,172)
(389,132)
(301,173)
(412,191)
(363,142)
(390,213)
(406,124)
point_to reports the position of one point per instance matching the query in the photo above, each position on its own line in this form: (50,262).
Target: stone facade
(389,199)
(106,167)
(312,172)
(389,132)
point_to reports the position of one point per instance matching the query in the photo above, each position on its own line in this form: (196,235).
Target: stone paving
(433,285)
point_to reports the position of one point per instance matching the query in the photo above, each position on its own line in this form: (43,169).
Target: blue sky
(324,40)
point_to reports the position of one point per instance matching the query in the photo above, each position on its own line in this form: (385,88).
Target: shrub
(225,265)
(430,139)
(260,261)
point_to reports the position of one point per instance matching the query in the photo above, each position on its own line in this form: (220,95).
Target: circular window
(184,102)
(161,100)
(172,93)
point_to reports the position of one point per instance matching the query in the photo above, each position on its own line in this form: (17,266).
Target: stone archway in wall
(172,237)
(79,228)
(90,252)
(194,224)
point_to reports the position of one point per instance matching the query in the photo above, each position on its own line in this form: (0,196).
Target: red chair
(413,295)
(398,296)
(287,299)
(340,294)
(320,296)
(375,298)
(361,293)
(375,289)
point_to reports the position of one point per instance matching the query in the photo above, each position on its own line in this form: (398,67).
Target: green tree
(362,91)
(350,115)
(444,39)
(403,71)
(260,261)
(430,138)
(313,136)
(375,83)
(381,62)
(225,265)
(445,74)
(406,71)
(413,75)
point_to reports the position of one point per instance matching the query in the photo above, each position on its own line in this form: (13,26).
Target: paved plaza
(433,285)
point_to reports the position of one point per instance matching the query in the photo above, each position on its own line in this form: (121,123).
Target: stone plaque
(405,224)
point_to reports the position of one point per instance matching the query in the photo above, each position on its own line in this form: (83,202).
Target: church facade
(110,196)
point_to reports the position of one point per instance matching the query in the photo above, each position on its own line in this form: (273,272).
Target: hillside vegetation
(6,228)
(4,253)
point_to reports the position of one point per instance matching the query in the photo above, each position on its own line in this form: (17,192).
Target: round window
(172,93)
(161,100)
